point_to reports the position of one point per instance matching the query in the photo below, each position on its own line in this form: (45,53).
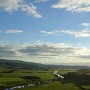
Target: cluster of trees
(78,79)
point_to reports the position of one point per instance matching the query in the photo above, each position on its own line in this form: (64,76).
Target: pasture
(53,86)
(12,79)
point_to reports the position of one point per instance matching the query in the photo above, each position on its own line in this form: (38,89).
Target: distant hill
(18,64)
(67,66)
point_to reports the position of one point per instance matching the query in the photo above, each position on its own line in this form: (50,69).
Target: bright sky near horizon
(45,31)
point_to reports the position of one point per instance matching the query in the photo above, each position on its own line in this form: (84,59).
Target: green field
(8,80)
(15,78)
(53,86)
(64,71)
(87,87)
(43,75)
(3,80)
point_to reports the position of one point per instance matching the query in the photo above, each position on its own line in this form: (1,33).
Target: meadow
(15,78)
(41,77)
(53,86)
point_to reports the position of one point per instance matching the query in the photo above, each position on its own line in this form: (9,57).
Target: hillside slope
(18,64)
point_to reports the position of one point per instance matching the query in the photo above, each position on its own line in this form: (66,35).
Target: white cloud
(86,24)
(82,33)
(37,1)
(30,10)
(8,50)
(49,33)
(14,5)
(13,31)
(9,5)
(73,5)
(44,51)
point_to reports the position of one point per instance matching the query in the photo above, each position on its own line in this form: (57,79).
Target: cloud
(52,50)
(84,56)
(8,50)
(56,52)
(13,31)
(38,1)
(14,5)
(82,33)
(30,10)
(10,5)
(43,49)
(73,5)
(86,24)
(49,33)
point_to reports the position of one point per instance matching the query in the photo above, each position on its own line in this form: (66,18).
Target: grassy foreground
(53,86)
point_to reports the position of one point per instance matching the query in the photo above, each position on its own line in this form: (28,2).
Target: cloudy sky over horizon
(45,31)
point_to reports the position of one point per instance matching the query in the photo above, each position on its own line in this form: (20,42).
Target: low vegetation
(41,77)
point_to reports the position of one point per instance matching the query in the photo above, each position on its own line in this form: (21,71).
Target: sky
(45,31)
